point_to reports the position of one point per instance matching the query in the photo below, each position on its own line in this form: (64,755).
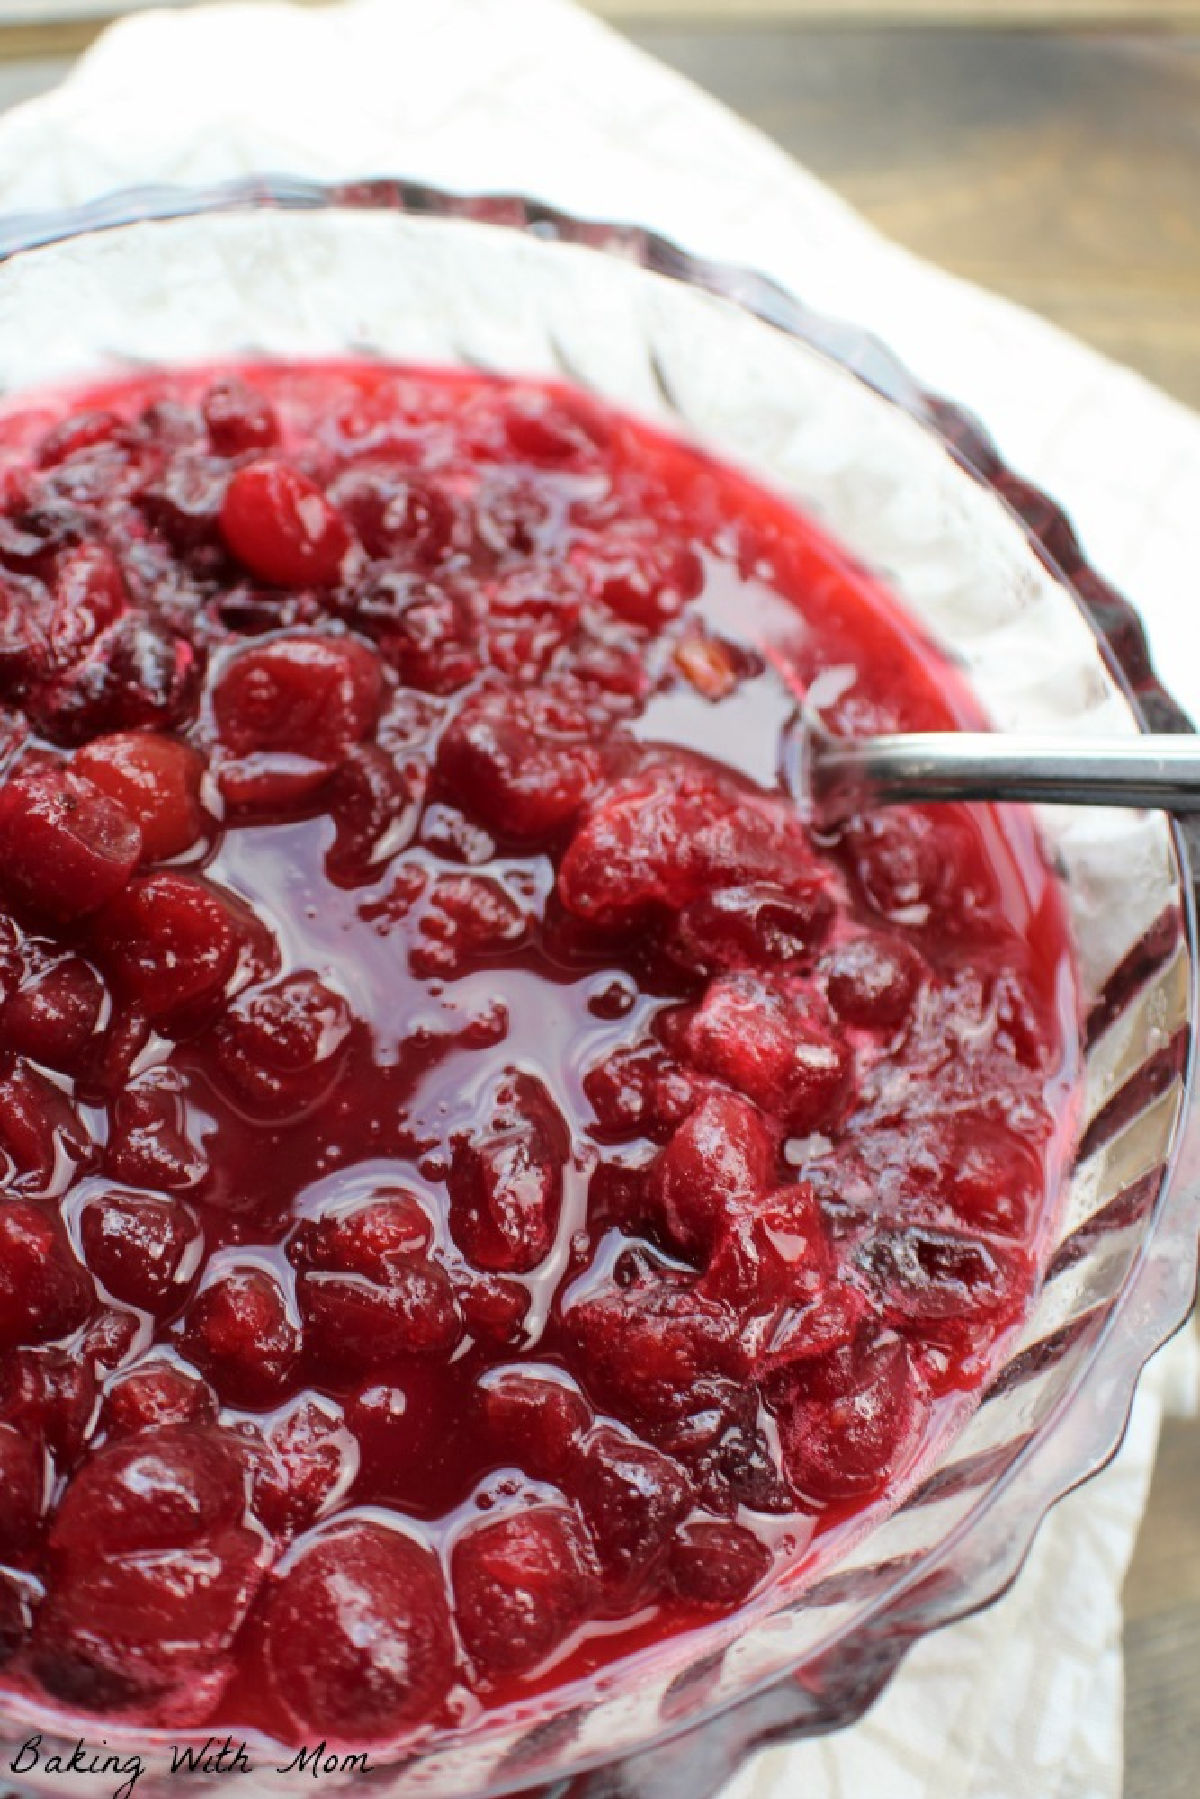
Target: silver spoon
(834,777)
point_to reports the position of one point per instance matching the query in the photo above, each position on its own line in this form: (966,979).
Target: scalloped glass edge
(698,1746)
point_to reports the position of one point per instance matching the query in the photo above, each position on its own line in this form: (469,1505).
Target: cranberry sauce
(483,1187)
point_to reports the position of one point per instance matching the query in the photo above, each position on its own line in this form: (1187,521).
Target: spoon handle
(840,776)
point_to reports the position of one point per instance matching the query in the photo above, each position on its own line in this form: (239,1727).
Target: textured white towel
(1023,1702)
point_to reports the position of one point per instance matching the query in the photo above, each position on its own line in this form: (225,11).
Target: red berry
(632,1498)
(148,1145)
(745,927)
(872,981)
(22,1484)
(506,1178)
(155,1396)
(153,1628)
(849,1421)
(44,1292)
(721,1156)
(169,942)
(671,836)
(367,1290)
(715,1563)
(521,1583)
(145,1250)
(522,761)
(466,920)
(65,847)
(239,417)
(279,1049)
(136,673)
(397,511)
(49,1395)
(769,1039)
(313,1461)
(41,1134)
(157,780)
(279,524)
(239,1332)
(641,1091)
(357,1635)
(160,1490)
(535,1416)
(374,811)
(53,1016)
(304,695)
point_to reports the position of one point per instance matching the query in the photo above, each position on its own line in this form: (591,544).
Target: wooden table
(1058,161)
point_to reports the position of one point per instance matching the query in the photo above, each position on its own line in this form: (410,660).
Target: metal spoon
(836,776)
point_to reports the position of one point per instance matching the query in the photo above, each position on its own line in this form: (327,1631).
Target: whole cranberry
(281,527)
(169,942)
(305,694)
(721,1155)
(714,1562)
(872,981)
(534,1416)
(49,1395)
(522,1583)
(522,760)
(357,1634)
(239,1332)
(239,417)
(146,1250)
(849,1421)
(154,1397)
(312,1460)
(279,1049)
(44,1292)
(53,1016)
(157,780)
(22,1483)
(632,1498)
(136,673)
(506,1178)
(65,847)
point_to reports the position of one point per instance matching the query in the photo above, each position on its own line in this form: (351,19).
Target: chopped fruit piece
(136,673)
(466,919)
(521,1583)
(279,524)
(50,1395)
(65,847)
(157,780)
(357,1634)
(506,1178)
(747,927)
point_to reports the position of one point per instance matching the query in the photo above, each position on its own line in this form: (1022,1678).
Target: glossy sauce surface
(485,1189)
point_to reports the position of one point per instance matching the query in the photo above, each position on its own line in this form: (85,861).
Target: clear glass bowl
(909,484)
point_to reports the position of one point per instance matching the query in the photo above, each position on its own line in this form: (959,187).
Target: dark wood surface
(1060,166)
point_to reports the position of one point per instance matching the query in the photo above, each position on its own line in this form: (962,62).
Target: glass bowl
(912,487)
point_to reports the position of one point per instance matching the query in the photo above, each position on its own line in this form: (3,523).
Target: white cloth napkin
(1023,1702)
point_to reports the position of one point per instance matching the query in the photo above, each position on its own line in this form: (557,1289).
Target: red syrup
(484,1189)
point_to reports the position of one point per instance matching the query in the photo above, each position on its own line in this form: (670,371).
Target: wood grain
(1061,170)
